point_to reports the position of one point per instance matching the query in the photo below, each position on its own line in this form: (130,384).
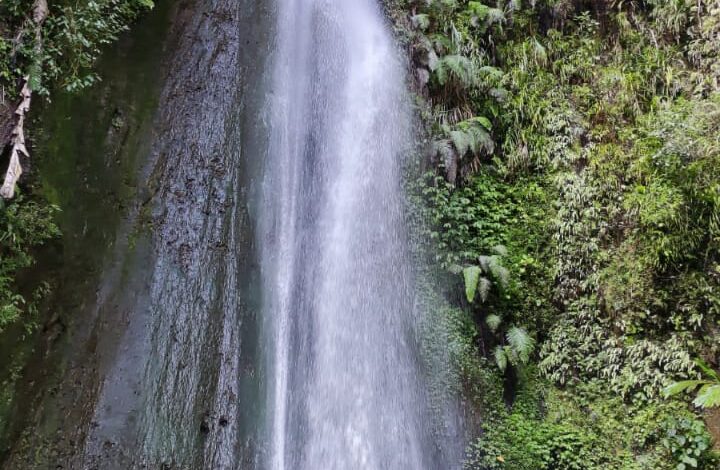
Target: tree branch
(17,139)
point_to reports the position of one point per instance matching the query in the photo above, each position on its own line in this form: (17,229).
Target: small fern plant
(479,278)
(515,345)
(469,138)
(517,348)
(708,394)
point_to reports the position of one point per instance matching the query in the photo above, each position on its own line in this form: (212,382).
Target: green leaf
(455,67)
(708,397)
(484,287)
(421,21)
(501,358)
(679,387)
(471,275)
(500,250)
(707,370)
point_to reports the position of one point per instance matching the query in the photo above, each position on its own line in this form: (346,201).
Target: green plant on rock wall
(24,226)
(514,344)
(613,108)
(708,389)
(72,39)
(690,445)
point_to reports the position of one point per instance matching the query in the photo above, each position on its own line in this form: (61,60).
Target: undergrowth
(575,145)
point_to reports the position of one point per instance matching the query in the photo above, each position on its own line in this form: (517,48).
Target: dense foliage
(23,227)
(583,138)
(72,36)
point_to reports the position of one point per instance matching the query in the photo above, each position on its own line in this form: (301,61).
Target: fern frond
(493,322)
(521,343)
(454,67)
(501,358)
(682,386)
(462,141)
(707,370)
(485,262)
(708,397)
(421,21)
(500,250)
(444,149)
(494,16)
(500,273)
(484,287)
(480,139)
(488,72)
(482,120)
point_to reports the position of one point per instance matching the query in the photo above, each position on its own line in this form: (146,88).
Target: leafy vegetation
(73,36)
(583,137)
(708,394)
(24,225)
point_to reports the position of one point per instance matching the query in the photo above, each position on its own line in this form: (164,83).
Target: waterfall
(344,387)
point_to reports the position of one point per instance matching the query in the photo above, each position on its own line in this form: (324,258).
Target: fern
(521,343)
(501,358)
(500,250)
(493,322)
(682,386)
(421,21)
(444,149)
(501,274)
(472,135)
(709,394)
(455,68)
(484,287)
(485,16)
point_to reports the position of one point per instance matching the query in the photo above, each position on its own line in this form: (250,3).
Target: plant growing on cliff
(24,226)
(708,389)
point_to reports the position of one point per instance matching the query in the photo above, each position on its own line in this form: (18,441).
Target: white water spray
(344,385)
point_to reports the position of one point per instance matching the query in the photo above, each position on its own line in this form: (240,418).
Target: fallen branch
(17,139)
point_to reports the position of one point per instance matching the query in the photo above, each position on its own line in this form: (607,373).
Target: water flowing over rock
(344,389)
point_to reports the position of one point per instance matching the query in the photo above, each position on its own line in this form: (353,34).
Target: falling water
(344,386)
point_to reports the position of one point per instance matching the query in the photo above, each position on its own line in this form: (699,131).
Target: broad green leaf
(679,387)
(471,275)
(521,343)
(501,358)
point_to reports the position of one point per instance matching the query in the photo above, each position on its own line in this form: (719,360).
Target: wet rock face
(160,352)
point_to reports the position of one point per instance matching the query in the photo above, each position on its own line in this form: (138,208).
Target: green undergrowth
(70,41)
(25,225)
(571,212)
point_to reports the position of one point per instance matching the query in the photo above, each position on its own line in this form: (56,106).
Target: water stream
(345,388)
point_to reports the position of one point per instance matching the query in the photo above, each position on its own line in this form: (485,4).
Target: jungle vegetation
(570,203)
